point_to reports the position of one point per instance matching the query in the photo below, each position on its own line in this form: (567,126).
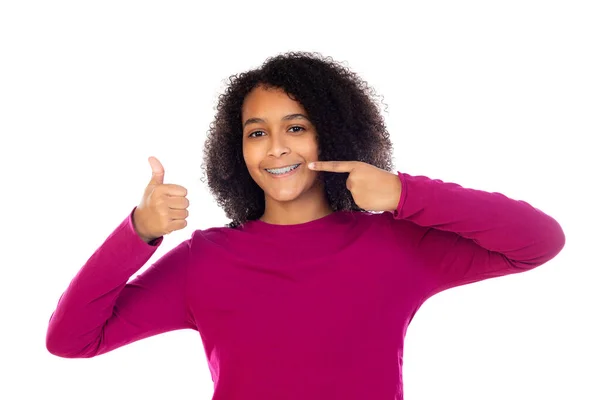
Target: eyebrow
(286,118)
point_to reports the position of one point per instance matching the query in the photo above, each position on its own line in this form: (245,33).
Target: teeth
(279,171)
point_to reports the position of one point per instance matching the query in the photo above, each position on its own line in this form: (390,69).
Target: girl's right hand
(163,208)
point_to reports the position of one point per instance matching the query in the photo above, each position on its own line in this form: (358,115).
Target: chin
(284,195)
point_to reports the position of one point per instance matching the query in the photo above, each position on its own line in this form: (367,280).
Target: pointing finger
(332,166)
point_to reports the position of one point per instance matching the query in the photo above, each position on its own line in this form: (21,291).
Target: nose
(278,146)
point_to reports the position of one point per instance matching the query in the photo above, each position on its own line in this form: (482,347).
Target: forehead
(265,101)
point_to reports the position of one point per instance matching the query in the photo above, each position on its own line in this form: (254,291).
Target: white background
(498,96)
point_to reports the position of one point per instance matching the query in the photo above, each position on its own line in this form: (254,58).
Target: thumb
(158,172)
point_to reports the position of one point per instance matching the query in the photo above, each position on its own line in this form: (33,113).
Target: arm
(100,311)
(464,235)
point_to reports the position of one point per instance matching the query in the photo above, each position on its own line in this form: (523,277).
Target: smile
(283,171)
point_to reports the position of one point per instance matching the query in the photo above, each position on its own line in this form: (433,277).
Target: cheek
(309,149)
(251,157)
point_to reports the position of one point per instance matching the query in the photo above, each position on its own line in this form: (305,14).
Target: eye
(253,134)
(256,133)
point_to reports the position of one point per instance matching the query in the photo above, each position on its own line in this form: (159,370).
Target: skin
(274,141)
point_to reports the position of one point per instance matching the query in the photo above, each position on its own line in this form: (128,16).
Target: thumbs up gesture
(163,208)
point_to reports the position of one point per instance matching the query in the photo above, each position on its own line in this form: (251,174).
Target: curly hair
(340,105)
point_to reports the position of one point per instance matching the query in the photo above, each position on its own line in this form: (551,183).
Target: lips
(283,172)
(282,166)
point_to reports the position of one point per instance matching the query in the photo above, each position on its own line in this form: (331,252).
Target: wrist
(146,238)
(396,193)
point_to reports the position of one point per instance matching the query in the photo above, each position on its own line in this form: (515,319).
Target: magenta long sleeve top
(317,310)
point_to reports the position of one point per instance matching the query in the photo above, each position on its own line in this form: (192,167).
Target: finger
(158,171)
(332,166)
(171,189)
(177,224)
(178,214)
(178,202)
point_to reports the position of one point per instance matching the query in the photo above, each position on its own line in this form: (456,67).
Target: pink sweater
(311,311)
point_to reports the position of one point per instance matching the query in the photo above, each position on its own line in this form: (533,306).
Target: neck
(308,207)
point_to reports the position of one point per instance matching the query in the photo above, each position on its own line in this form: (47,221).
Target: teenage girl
(309,290)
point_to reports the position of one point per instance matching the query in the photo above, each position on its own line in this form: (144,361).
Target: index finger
(332,166)
(174,190)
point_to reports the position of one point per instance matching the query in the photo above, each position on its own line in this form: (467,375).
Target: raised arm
(465,235)
(100,311)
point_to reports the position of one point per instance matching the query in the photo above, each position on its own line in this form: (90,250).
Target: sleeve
(463,235)
(100,311)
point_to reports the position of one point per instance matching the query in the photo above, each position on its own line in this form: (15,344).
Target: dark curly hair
(339,104)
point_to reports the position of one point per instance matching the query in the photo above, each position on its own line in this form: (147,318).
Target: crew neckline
(334,218)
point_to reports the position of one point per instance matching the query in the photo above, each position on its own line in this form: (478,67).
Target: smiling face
(277,134)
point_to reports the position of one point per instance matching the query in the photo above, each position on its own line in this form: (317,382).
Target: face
(278,136)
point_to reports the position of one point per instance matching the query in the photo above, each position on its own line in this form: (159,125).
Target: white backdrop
(499,96)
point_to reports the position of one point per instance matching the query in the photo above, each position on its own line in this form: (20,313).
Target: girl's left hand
(372,188)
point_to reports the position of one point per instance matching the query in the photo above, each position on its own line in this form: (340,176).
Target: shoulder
(376,219)
(213,235)
(398,229)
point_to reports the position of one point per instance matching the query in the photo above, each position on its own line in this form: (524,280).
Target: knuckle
(158,190)
(158,197)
